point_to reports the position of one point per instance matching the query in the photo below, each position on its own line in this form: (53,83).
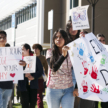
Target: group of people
(32,86)
(61,82)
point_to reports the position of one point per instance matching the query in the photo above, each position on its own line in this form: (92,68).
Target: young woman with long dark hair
(29,85)
(59,83)
(72,34)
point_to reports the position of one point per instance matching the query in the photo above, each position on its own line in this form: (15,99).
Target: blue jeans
(5,95)
(65,97)
(73,78)
(55,97)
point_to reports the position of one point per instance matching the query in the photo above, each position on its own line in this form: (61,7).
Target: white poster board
(80,18)
(30,64)
(9,64)
(90,62)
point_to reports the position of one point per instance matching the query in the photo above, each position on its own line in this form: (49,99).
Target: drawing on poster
(91,57)
(105,90)
(81,15)
(31,64)
(12,74)
(84,63)
(94,72)
(84,86)
(103,59)
(72,54)
(81,49)
(74,44)
(95,89)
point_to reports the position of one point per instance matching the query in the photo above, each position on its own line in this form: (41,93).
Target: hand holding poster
(30,64)
(90,61)
(9,64)
(80,18)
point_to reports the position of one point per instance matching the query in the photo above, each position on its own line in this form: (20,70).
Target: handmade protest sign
(90,62)
(80,18)
(9,64)
(30,64)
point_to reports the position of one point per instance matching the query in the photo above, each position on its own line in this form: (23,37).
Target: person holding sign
(72,35)
(29,89)
(37,50)
(101,38)
(59,83)
(5,86)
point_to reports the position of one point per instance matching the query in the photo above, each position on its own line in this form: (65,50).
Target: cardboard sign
(9,64)
(30,64)
(90,62)
(80,18)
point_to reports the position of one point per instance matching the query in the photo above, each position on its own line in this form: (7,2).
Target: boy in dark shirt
(5,86)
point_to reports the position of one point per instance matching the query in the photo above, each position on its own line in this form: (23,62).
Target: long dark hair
(27,46)
(55,50)
(68,26)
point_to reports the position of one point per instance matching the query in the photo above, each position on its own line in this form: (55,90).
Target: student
(59,83)
(5,86)
(29,85)
(72,35)
(101,38)
(12,96)
(37,50)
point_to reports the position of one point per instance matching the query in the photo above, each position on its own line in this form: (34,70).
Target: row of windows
(26,14)
(5,24)
(23,15)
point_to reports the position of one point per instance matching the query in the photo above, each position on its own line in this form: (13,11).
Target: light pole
(93,3)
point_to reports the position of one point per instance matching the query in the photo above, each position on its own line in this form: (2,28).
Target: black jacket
(22,84)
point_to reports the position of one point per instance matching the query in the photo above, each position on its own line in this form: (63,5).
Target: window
(5,24)
(22,16)
(70,4)
(27,13)
(75,3)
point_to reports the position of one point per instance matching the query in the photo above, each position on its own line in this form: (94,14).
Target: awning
(8,7)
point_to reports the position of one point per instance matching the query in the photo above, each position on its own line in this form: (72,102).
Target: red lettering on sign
(3,75)
(2,60)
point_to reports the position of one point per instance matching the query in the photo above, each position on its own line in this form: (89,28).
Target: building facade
(32,20)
